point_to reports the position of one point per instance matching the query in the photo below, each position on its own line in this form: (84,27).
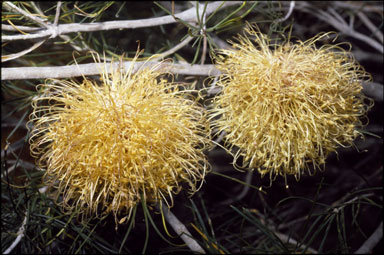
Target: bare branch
(374,90)
(188,15)
(288,239)
(20,234)
(21,53)
(22,73)
(17,28)
(221,44)
(348,31)
(337,17)
(174,49)
(66,38)
(361,55)
(213,90)
(181,230)
(40,34)
(17,163)
(291,7)
(56,21)
(372,241)
(203,33)
(375,30)
(10,6)
(339,23)
(361,5)
(284,238)
(371,89)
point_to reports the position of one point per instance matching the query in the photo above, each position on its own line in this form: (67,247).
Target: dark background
(335,210)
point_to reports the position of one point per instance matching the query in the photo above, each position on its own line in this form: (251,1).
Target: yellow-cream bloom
(285,107)
(104,145)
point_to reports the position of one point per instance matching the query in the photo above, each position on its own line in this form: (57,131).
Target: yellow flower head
(104,146)
(286,107)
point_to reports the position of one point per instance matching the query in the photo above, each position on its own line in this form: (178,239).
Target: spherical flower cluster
(285,107)
(104,146)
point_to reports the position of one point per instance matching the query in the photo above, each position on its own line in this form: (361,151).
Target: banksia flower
(285,107)
(105,146)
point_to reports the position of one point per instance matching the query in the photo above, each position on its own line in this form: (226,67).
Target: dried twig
(203,32)
(20,234)
(373,90)
(283,237)
(24,28)
(10,6)
(362,55)
(359,5)
(174,49)
(17,163)
(213,89)
(22,53)
(17,28)
(288,239)
(181,230)
(66,38)
(221,44)
(372,241)
(375,30)
(56,21)
(188,15)
(334,19)
(291,7)
(22,73)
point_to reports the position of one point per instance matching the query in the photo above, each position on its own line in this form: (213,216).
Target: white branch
(40,34)
(219,42)
(21,53)
(188,15)
(375,30)
(283,237)
(22,28)
(372,241)
(174,49)
(56,21)
(371,89)
(288,239)
(15,164)
(374,90)
(20,234)
(213,89)
(339,23)
(22,73)
(291,7)
(11,6)
(181,230)
(360,6)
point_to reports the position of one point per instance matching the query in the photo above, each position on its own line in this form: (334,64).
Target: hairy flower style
(286,107)
(104,146)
